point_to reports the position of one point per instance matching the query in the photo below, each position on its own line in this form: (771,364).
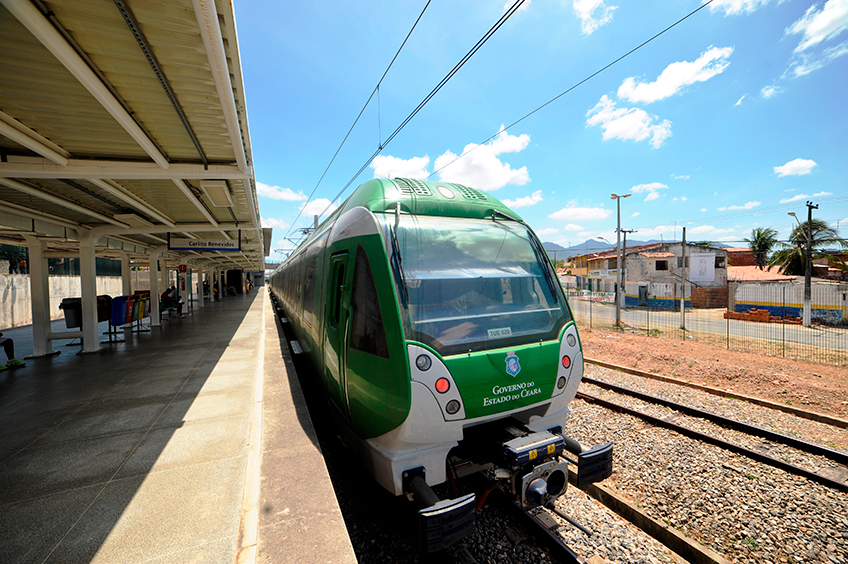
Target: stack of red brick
(761,316)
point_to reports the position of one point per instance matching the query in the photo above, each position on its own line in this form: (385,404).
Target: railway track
(725,503)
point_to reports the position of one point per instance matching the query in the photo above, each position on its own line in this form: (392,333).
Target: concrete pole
(200,285)
(154,284)
(126,274)
(683,285)
(808,268)
(40,295)
(88,284)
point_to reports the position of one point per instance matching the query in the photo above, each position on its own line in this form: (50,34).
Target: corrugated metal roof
(50,111)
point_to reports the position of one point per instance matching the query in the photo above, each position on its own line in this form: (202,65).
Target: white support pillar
(154,285)
(163,278)
(126,275)
(40,295)
(200,285)
(88,285)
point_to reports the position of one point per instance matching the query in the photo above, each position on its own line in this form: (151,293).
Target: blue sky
(727,122)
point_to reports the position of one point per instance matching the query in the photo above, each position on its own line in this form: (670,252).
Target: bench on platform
(163,309)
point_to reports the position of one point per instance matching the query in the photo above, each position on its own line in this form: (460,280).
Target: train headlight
(566,361)
(561,382)
(571,340)
(442,385)
(452,407)
(423,363)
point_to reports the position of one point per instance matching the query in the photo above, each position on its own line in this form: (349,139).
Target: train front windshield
(472,283)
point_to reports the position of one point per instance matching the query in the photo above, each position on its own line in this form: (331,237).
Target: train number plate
(500,332)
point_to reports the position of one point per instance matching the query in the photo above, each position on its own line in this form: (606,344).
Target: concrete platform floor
(154,450)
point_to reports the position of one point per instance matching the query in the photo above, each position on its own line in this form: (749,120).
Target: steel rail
(812,415)
(811,448)
(738,449)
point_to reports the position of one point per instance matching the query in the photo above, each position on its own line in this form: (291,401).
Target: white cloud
(277,193)
(798,197)
(747,206)
(805,63)
(481,168)
(652,187)
(593,14)
(820,25)
(733,7)
(635,214)
(521,8)
(278,223)
(574,213)
(627,123)
(652,196)
(795,167)
(703,209)
(316,207)
(386,166)
(739,102)
(681,177)
(548,231)
(572,227)
(677,75)
(769,91)
(530,200)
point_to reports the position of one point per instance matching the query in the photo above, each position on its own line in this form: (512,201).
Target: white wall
(16,298)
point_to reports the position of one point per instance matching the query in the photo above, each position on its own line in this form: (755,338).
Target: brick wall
(709,297)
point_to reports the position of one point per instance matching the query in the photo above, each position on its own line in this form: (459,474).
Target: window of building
(662,265)
(720,262)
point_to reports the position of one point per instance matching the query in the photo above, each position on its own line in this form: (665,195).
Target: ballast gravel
(744,510)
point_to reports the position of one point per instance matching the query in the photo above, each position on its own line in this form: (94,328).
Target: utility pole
(683,286)
(624,260)
(808,267)
(617,199)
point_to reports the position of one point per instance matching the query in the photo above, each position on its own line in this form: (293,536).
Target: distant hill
(593,246)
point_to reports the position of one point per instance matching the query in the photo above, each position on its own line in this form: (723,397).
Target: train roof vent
(470,193)
(412,187)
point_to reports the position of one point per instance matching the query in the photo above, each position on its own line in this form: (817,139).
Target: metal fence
(780,336)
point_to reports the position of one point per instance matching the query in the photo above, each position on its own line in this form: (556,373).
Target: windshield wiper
(541,254)
(398,259)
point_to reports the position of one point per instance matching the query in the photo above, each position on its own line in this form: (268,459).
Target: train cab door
(336,326)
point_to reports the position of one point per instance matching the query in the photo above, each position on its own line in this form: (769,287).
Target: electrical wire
(588,78)
(504,17)
(368,101)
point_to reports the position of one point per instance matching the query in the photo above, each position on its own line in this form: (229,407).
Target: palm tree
(791,257)
(762,241)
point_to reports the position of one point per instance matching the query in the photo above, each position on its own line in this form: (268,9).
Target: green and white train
(443,342)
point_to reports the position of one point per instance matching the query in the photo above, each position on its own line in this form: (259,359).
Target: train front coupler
(534,467)
(441,522)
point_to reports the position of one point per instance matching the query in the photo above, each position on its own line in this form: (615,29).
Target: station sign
(186,244)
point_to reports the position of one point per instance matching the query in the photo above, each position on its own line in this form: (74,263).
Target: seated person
(169,299)
(9,346)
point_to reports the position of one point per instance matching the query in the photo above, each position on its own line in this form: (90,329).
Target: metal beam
(126,196)
(34,167)
(35,192)
(44,31)
(22,138)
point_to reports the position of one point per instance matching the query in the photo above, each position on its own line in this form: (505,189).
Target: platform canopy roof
(126,117)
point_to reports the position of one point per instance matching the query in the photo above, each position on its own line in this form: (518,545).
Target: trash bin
(73,312)
(119,310)
(104,308)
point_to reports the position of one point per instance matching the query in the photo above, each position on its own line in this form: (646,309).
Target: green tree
(762,241)
(791,258)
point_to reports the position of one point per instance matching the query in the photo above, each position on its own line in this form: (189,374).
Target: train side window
(309,288)
(367,333)
(337,290)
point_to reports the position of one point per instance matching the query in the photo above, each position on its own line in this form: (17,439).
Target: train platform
(187,443)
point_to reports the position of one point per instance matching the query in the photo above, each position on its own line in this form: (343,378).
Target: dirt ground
(814,387)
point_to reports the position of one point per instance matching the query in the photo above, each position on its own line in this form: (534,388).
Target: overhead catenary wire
(504,17)
(368,101)
(588,78)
